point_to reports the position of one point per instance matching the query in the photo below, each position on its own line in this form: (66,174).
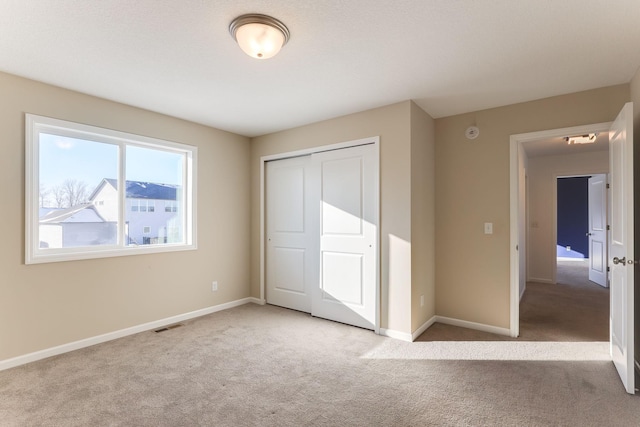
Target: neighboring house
(151,217)
(79,225)
(152,213)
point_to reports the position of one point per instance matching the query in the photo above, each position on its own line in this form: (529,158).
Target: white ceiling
(450,56)
(559,146)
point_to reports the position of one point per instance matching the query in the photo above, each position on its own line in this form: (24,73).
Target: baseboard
(87,342)
(423,328)
(257,301)
(473,325)
(403,336)
(447,321)
(538,280)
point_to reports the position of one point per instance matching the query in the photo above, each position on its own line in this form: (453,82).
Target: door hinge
(608,227)
(607,185)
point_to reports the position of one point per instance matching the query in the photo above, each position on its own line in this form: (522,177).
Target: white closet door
(346,209)
(291,254)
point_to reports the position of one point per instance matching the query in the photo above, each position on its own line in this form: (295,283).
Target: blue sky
(64,158)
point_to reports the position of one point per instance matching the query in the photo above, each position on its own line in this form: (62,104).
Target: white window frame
(35,124)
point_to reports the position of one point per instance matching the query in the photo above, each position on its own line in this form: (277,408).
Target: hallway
(573,310)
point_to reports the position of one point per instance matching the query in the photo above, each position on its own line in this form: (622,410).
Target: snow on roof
(145,190)
(80,213)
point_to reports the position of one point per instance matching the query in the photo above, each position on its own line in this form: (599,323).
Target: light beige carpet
(268,366)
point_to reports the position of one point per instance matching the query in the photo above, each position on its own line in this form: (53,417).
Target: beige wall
(392,124)
(542,174)
(46,305)
(422,217)
(472,269)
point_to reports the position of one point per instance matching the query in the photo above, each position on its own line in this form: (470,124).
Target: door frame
(375,141)
(554,217)
(515,240)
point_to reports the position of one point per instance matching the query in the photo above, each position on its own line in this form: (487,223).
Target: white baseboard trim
(87,342)
(447,321)
(539,280)
(257,301)
(473,325)
(423,328)
(404,336)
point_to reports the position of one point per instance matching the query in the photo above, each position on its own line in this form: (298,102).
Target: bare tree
(59,196)
(70,193)
(75,192)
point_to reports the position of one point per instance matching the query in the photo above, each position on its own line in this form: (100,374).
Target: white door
(347,186)
(598,229)
(290,234)
(621,253)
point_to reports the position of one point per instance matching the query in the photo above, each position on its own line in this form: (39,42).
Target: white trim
(514,237)
(426,325)
(515,143)
(473,325)
(539,280)
(524,289)
(320,149)
(375,140)
(35,124)
(447,321)
(403,336)
(87,342)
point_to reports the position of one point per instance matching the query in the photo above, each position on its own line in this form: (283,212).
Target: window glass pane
(92,192)
(154,175)
(72,174)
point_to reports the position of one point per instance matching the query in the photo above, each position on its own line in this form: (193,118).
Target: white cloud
(64,144)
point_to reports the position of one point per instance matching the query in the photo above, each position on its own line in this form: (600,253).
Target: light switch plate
(488,228)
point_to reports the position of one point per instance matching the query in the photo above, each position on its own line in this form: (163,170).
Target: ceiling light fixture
(581,139)
(259,36)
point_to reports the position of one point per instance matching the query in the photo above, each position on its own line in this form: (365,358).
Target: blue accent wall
(573,216)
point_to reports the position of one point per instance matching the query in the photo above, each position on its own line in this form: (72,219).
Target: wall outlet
(214,286)
(421,300)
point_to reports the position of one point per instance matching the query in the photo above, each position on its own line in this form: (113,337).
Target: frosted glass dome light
(259,36)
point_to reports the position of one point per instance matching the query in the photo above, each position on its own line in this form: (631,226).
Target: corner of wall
(422,217)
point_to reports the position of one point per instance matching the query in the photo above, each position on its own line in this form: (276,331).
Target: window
(143,206)
(89,189)
(170,207)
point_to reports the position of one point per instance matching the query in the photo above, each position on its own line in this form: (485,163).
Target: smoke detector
(472,132)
